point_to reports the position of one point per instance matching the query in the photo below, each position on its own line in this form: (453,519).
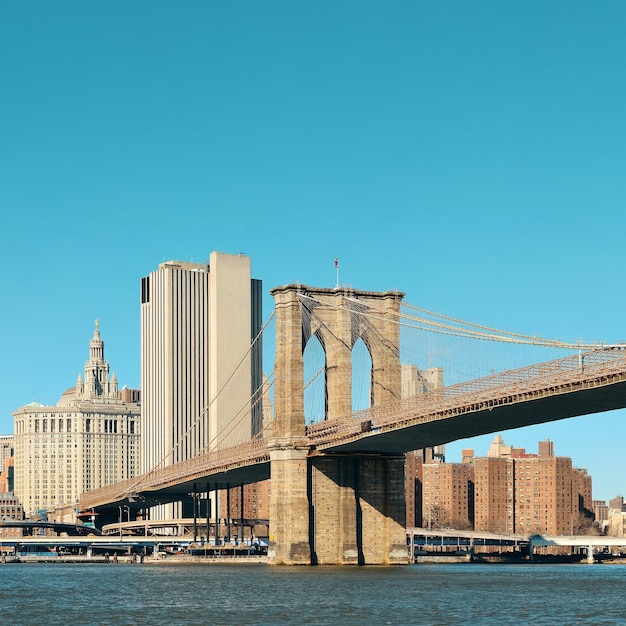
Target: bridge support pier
(289,503)
(358,510)
(336,510)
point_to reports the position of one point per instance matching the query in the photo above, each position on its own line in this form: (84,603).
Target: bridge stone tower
(331,508)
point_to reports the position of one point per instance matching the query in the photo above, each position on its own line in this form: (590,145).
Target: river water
(176,594)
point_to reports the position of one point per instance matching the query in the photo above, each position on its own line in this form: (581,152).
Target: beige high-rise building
(416,381)
(198,369)
(6,476)
(498,448)
(6,450)
(88,440)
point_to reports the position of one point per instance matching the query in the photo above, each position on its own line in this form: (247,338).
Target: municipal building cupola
(96,380)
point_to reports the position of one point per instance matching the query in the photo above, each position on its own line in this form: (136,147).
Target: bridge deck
(569,387)
(543,393)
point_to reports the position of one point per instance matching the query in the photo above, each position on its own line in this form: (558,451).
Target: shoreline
(137,559)
(263,560)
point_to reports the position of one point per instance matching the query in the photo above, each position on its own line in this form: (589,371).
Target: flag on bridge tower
(336,262)
(337,271)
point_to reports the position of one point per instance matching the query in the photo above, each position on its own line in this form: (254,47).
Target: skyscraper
(198,367)
(88,440)
(6,450)
(529,493)
(494,489)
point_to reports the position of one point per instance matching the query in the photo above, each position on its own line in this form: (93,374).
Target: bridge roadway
(555,390)
(448,536)
(592,382)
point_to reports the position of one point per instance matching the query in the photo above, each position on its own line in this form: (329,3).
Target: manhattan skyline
(469,156)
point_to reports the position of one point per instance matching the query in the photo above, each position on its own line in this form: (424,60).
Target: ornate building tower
(88,440)
(97,384)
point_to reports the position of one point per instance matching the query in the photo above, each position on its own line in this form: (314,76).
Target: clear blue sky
(470,154)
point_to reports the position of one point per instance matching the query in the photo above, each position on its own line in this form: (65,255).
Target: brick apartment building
(507,491)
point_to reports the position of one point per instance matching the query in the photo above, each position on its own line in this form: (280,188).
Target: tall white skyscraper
(198,370)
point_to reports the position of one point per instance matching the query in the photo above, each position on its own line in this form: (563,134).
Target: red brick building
(507,491)
(447,495)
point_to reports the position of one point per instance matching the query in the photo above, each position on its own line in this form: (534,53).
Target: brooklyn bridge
(334,446)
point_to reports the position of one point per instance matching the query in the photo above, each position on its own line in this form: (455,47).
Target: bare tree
(436,517)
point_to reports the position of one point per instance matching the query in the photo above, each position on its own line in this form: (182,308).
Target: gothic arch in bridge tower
(314,361)
(362,397)
(338,318)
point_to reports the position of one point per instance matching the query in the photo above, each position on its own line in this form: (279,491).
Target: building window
(145,290)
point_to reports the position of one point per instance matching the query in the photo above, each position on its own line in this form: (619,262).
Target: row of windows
(60,424)
(58,445)
(52,422)
(110,426)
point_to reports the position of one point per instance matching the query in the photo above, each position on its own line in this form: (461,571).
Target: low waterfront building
(250,503)
(10,510)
